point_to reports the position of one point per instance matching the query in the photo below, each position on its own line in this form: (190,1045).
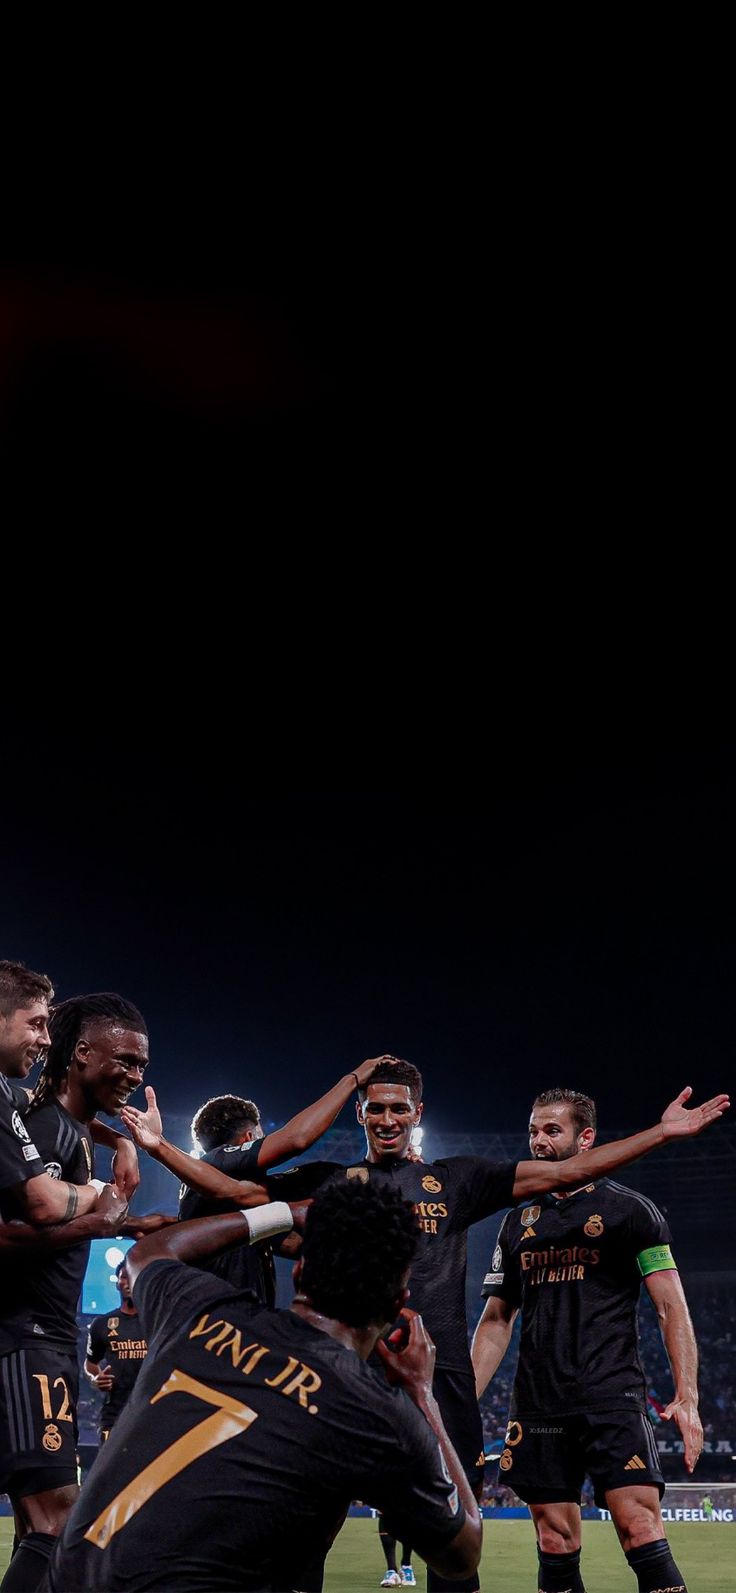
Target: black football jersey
(243,1442)
(448,1196)
(247,1266)
(40,1293)
(19,1158)
(574,1265)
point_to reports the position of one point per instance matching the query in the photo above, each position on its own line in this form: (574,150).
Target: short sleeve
(168,1294)
(19,1159)
(651,1239)
(487,1186)
(501,1281)
(239,1161)
(417,1493)
(97,1340)
(299,1183)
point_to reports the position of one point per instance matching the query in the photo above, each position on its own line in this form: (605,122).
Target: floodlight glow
(113,1256)
(417,1135)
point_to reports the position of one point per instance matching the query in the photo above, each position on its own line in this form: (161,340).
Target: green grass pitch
(705,1553)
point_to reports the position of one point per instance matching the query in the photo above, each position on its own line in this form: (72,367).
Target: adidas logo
(635,1464)
(529,1234)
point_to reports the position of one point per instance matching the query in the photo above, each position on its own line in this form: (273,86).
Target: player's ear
(359,1111)
(419,1109)
(585,1139)
(80,1054)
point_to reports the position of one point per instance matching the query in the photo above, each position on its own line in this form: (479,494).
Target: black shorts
(545,1458)
(454,1392)
(38,1419)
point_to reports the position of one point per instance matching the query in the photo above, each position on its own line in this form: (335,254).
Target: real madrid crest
(361,1173)
(497,1259)
(51,1438)
(594,1226)
(506,1461)
(431,1184)
(530,1215)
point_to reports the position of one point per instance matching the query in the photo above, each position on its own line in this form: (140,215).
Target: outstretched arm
(208,1236)
(147,1130)
(678,1122)
(669,1301)
(296,1136)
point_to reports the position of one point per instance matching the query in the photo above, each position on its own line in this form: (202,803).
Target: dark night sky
(346,711)
(542,921)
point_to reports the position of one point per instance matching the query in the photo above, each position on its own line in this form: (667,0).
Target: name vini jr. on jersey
(558,1266)
(293,1377)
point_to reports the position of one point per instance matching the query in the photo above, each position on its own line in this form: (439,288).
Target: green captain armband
(658,1259)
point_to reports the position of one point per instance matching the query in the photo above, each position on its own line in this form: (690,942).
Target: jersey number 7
(231,1418)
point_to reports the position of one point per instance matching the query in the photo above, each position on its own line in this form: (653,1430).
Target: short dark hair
(68,1023)
(359,1241)
(20,987)
(398,1072)
(120,1267)
(221,1118)
(582,1108)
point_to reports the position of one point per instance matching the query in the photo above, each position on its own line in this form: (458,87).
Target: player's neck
(362,1340)
(70,1096)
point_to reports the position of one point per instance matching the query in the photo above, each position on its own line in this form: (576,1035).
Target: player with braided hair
(284,1404)
(97,1054)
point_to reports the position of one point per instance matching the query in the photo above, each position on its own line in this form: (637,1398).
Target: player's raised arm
(678,1122)
(303,1130)
(147,1131)
(296,1136)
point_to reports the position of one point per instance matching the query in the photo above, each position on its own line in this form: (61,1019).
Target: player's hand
(146,1127)
(125,1167)
(112,1205)
(137,1227)
(679,1120)
(685,1413)
(364,1071)
(411,1366)
(104,1380)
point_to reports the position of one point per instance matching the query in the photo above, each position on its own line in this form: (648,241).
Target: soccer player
(249,1431)
(228,1130)
(118,1338)
(97,1054)
(573,1262)
(24,1038)
(449,1196)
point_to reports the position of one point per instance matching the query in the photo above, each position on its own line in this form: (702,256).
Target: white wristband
(265,1221)
(98,1184)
